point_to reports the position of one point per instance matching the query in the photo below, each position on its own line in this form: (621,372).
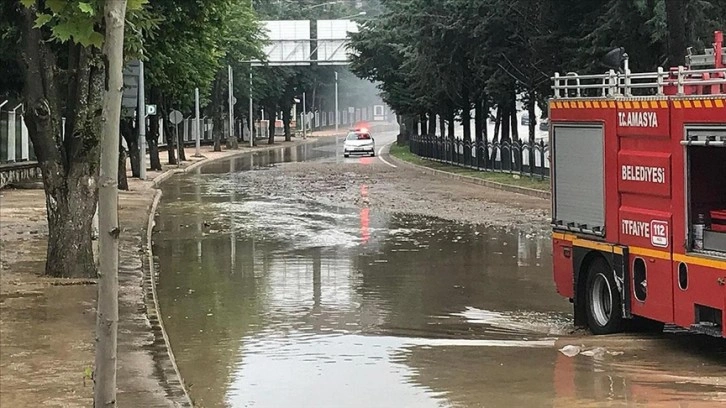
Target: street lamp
(330,3)
(361,14)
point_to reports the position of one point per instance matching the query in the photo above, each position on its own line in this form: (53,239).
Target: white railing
(612,84)
(15,144)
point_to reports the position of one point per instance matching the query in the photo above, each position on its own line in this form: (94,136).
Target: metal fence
(503,157)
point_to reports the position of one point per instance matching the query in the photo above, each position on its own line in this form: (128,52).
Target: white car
(359,141)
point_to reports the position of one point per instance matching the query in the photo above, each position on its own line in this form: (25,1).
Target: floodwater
(278,301)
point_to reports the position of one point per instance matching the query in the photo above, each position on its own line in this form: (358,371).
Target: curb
(171,375)
(546,195)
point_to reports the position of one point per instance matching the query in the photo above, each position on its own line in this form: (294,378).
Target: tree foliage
(57,46)
(445,57)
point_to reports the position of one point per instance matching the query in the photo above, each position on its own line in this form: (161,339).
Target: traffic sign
(150,110)
(131,72)
(175,117)
(234,100)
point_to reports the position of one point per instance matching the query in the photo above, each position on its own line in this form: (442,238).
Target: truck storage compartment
(578,178)
(706,154)
(714,235)
(718,220)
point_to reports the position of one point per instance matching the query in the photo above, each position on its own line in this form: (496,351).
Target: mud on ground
(404,190)
(47,325)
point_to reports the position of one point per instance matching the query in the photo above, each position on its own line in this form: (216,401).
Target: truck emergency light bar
(679,81)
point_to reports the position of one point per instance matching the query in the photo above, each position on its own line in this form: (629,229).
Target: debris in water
(570,351)
(597,352)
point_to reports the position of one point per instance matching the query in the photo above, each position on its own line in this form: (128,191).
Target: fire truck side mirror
(615,58)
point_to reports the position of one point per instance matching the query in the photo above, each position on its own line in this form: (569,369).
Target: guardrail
(502,157)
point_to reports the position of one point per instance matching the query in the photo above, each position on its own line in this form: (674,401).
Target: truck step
(707,328)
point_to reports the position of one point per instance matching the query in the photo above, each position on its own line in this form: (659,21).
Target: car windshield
(358,136)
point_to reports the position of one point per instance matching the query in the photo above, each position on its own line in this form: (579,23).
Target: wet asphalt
(279,299)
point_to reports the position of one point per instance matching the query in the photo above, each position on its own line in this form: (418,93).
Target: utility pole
(336,101)
(196,122)
(141,123)
(305,118)
(251,120)
(231,139)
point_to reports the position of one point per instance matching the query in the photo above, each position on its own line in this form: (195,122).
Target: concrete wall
(18,172)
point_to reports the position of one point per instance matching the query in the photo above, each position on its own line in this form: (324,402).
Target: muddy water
(277,301)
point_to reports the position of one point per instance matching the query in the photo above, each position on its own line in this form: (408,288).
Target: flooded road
(276,298)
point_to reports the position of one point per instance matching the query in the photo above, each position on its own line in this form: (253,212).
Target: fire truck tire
(602,299)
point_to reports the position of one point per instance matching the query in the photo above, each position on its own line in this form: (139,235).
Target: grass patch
(403,153)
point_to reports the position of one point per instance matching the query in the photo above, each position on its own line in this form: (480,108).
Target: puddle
(279,301)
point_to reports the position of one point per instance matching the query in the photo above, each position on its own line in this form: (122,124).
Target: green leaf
(42,20)
(88,373)
(133,5)
(86,8)
(96,39)
(56,6)
(27,3)
(63,31)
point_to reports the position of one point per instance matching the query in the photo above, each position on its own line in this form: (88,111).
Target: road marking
(380,153)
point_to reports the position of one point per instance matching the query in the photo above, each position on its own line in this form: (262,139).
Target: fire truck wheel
(603,299)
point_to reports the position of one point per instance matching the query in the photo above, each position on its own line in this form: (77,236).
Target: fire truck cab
(639,195)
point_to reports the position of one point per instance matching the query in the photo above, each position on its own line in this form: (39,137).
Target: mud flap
(617,257)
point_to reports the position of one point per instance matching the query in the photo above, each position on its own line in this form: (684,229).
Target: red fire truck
(639,194)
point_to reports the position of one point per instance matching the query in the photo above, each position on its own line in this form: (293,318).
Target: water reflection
(281,302)
(329,296)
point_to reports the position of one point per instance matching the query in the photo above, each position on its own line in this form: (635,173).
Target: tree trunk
(171,143)
(485,130)
(466,125)
(69,167)
(676,23)
(180,148)
(107,310)
(478,120)
(218,110)
(513,119)
(452,125)
(432,123)
(506,120)
(495,136)
(402,129)
(271,124)
(442,125)
(152,145)
(530,108)
(169,135)
(123,181)
(286,118)
(152,138)
(128,131)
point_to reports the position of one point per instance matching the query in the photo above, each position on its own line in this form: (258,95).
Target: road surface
(298,278)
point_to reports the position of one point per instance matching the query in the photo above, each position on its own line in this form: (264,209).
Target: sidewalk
(47,325)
